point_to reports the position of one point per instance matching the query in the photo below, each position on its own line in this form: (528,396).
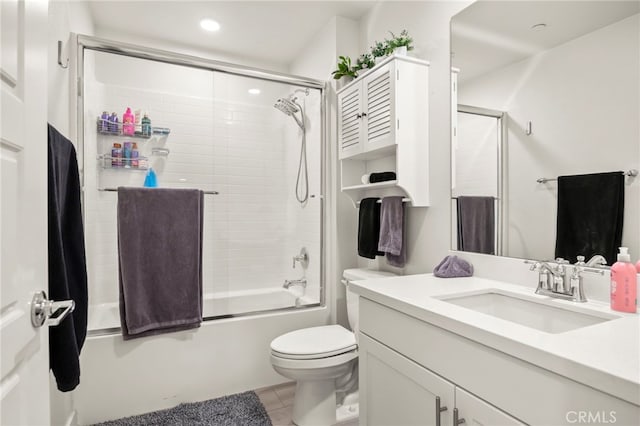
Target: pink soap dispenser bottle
(623,283)
(128,122)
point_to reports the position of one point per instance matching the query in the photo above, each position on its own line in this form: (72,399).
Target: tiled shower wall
(221,140)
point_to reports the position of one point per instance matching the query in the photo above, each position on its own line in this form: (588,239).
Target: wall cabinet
(383,126)
(397,391)
(405,363)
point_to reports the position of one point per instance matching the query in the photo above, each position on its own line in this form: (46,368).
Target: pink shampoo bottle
(623,283)
(128,122)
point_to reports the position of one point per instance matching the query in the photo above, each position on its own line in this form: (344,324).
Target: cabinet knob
(359,115)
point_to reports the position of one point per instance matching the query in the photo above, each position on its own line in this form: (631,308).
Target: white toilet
(322,360)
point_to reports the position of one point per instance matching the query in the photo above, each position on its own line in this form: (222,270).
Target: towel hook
(66,65)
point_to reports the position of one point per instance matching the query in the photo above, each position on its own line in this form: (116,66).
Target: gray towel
(391,239)
(476,224)
(453,267)
(160,260)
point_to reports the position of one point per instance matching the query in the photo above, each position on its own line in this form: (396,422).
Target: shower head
(286,106)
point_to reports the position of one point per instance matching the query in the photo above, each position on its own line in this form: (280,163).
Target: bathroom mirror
(543,89)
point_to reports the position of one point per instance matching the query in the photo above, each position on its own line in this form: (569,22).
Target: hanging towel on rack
(67,260)
(476,224)
(590,215)
(369,228)
(160,260)
(392,240)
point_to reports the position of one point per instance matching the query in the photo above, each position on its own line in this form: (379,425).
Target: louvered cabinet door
(350,121)
(378,99)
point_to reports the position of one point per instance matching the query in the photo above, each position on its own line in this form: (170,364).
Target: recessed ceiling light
(254,91)
(538,27)
(209,25)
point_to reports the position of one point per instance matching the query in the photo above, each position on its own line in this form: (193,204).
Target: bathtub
(228,353)
(105,317)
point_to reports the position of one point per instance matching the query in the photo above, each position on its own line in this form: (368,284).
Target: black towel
(369,228)
(381,177)
(476,224)
(590,215)
(67,262)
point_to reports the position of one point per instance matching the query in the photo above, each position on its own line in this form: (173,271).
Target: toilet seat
(314,343)
(312,364)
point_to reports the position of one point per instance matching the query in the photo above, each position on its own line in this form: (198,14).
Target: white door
(378,98)
(350,121)
(24,362)
(396,391)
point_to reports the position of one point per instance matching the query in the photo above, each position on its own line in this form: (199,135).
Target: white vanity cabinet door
(379,106)
(350,121)
(476,412)
(396,391)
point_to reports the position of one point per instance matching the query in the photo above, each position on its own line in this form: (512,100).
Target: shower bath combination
(291,107)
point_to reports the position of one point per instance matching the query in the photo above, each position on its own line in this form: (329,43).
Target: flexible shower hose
(304,196)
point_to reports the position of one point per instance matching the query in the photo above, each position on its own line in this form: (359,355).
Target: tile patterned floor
(278,401)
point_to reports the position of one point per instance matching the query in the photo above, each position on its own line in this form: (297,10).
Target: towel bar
(632,173)
(116,190)
(404,200)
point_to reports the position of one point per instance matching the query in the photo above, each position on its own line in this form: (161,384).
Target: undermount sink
(530,313)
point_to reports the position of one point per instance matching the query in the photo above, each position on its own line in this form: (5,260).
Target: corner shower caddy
(106,161)
(383,126)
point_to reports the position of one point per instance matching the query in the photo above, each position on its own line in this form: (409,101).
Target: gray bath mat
(242,409)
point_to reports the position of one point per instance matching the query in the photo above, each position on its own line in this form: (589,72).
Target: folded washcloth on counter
(453,267)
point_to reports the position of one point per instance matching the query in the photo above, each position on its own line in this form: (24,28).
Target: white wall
(65,17)
(428,24)
(318,60)
(582,98)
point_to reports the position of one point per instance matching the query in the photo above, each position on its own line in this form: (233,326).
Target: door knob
(48,312)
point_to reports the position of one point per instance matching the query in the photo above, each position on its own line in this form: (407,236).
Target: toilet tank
(352,298)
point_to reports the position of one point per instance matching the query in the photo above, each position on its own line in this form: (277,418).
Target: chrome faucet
(597,260)
(289,283)
(303,258)
(555,281)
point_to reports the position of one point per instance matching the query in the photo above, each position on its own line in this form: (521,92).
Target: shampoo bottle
(623,283)
(146,125)
(128,122)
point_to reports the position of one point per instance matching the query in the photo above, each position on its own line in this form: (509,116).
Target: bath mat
(242,409)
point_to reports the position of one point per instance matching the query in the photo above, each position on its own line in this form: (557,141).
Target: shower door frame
(501,210)
(84,42)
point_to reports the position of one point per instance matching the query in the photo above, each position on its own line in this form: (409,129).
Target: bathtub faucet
(301,281)
(303,258)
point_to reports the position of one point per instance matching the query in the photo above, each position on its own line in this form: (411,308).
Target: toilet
(323,360)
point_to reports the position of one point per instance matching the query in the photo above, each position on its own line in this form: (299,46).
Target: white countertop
(605,356)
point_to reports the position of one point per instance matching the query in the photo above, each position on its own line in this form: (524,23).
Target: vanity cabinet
(397,391)
(405,363)
(383,126)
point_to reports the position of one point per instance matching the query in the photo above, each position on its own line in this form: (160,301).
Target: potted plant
(365,62)
(345,72)
(400,44)
(379,50)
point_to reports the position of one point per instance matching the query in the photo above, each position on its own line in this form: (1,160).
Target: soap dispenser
(624,283)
